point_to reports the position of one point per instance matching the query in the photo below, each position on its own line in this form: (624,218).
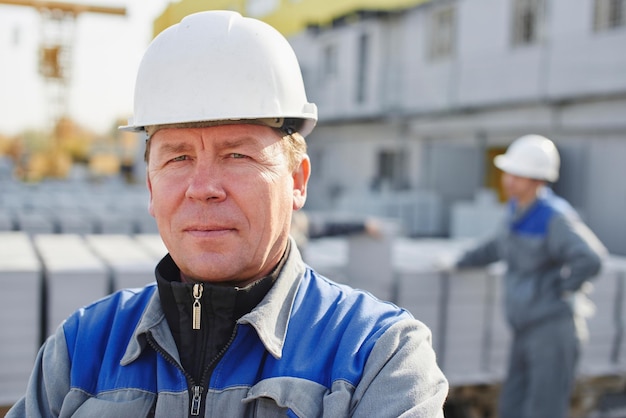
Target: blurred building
(416,97)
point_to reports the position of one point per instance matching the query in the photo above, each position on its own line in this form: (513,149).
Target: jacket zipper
(196,320)
(196,401)
(197,307)
(196,390)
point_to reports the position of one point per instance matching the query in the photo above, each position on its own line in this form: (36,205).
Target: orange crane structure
(55,48)
(56,39)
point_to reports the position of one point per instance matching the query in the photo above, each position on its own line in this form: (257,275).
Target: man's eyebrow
(176,147)
(238,142)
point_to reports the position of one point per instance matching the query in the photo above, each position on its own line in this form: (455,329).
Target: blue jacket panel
(536,220)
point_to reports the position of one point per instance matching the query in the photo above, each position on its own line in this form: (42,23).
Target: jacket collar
(152,320)
(269,318)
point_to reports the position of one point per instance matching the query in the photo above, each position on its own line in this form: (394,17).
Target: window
(442,33)
(361,77)
(392,170)
(527,19)
(609,14)
(493,175)
(318,160)
(330,61)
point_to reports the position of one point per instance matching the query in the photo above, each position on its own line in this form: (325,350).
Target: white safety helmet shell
(531,156)
(219,66)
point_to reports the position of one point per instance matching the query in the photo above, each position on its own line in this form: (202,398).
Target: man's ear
(300,181)
(149,185)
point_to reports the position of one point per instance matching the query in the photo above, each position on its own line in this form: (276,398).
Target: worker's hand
(374,228)
(445,264)
(580,303)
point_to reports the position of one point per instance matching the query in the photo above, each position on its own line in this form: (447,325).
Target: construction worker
(236,324)
(551,256)
(306,226)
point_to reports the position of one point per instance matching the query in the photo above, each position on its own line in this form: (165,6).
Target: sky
(106,53)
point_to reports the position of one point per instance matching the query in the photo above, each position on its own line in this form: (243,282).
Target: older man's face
(222,198)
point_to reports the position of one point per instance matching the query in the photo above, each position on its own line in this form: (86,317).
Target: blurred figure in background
(551,255)
(306,226)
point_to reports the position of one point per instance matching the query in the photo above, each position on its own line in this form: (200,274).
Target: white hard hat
(532,156)
(220,66)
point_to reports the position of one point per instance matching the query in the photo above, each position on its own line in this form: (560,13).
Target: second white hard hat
(532,156)
(220,66)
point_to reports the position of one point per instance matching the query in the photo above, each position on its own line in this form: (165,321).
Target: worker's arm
(483,254)
(579,250)
(319,228)
(401,376)
(49,382)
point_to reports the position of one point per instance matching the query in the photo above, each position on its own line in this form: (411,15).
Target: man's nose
(206,182)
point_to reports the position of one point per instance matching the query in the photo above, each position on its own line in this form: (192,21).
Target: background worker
(550,256)
(236,324)
(306,226)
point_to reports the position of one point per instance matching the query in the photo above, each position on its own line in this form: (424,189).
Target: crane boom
(58,21)
(66,7)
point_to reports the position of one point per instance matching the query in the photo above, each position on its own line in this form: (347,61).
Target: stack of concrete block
(454,306)
(144,222)
(153,244)
(76,207)
(598,352)
(370,261)
(74,275)
(20,313)
(620,340)
(420,292)
(109,221)
(131,264)
(498,333)
(328,257)
(6,220)
(419,287)
(478,218)
(467,323)
(420,212)
(74,221)
(35,222)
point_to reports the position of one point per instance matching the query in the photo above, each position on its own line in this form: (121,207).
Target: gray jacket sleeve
(49,381)
(484,253)
(401,377)
(572,243)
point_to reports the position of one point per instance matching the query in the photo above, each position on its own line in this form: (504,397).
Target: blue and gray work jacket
(310,348)
(550,254)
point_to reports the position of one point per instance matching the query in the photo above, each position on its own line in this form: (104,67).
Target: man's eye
(180,158)
(236,155)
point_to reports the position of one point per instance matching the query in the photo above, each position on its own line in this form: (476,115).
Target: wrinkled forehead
(222,136)
(271,122)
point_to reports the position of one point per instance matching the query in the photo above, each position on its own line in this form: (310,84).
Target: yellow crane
(55,47)
(56,38)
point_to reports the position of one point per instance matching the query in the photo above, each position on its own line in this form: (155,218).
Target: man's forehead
(271,122)
(235,135)
(220,132)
